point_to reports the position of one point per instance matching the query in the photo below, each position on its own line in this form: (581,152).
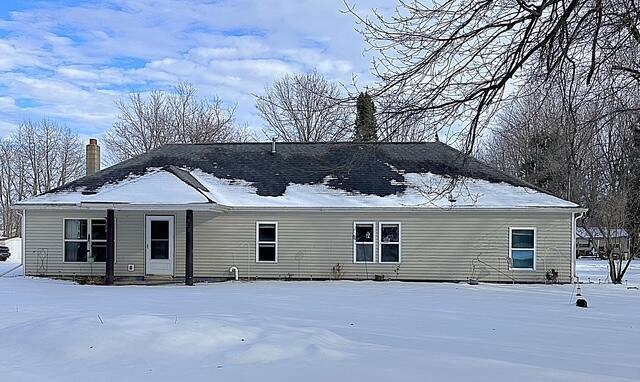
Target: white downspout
(574,220)
(23,242)
(234,269)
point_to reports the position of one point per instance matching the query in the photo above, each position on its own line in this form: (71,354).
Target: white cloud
(12,57)
(89,108)
(73,61)
(7,103)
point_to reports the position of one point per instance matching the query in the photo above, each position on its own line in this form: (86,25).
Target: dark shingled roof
(367,168)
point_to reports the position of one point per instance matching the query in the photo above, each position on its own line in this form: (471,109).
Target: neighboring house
(300,211)
(593,242)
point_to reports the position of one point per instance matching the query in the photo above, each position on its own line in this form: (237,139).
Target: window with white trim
(522,243)
(85,240)
(389,242)
(363,242)
(267,242)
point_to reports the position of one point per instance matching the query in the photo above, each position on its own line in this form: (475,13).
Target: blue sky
(71,60)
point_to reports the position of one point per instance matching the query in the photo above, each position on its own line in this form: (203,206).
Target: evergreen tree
(366,128)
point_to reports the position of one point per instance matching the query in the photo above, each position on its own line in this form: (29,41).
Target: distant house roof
(303,175)
(598,233)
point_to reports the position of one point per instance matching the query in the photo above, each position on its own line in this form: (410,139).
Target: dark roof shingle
(366,168)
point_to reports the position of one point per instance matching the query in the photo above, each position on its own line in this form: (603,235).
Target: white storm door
(159,245)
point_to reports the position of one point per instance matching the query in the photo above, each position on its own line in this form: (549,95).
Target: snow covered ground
(595,271)
(316,331)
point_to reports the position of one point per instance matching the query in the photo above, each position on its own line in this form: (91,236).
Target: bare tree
(11,173)
(393,127)
(565,140)
(542,140)
(455,62)
(305,108)
(36,158)
(177,116)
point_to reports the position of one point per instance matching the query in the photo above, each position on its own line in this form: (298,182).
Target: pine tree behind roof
(366,127)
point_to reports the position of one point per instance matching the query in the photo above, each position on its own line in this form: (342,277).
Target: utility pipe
(234,269)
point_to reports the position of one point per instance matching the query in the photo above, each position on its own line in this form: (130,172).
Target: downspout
(23,242)
(574,219)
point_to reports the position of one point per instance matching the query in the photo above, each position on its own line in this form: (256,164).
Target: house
(399,211)
(593,242)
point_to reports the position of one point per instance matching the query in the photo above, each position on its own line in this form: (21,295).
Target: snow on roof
(598,233)
(160,186)
(423,190)
(155,187)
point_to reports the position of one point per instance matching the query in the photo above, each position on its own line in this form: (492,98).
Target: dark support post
(108,278)
(188,277)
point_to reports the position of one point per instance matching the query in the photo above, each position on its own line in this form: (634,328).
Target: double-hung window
(389,242)
(522,248)
(85,240)
(267,242)
(363,242)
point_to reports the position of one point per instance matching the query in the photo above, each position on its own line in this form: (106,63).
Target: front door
(159,245)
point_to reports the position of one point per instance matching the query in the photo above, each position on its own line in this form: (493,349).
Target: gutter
(121,206)
(403,209)
(223,208)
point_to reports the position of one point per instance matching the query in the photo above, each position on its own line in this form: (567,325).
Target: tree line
(38,156)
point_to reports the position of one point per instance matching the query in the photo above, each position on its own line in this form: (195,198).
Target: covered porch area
(150,244)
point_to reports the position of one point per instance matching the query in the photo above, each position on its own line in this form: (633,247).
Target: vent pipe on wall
(93,157)
(273,145)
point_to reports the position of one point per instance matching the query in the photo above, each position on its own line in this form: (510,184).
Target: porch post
(108,279)
(188,277)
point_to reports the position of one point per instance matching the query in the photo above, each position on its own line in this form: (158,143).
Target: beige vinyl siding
(44,232)
(44,244)
(436,245)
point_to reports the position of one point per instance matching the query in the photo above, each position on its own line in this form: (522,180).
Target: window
(160,240)
(267,242)
(363,246)
(85,240)
(522,243)
(389,242)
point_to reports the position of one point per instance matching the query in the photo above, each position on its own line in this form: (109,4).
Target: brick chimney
(93,156)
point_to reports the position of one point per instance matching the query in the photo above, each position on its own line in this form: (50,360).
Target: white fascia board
(123,207)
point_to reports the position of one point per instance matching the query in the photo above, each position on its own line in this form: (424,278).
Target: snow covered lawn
(316,331)
(590,270)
